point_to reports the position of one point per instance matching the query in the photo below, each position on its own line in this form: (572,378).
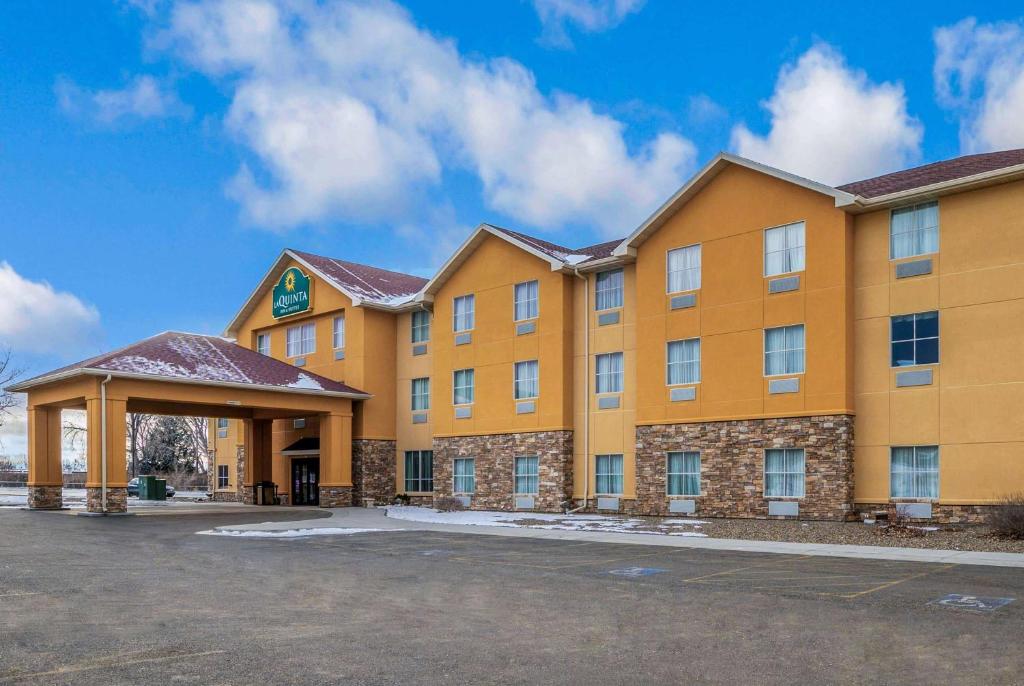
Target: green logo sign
(292,294)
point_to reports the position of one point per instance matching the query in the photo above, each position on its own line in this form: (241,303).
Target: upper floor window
(300,340)
(339,332)
(683,362)
(263,343)
(608,293)
(420,326)
(462,386)
(526,300)
(915,339)
(608,371)
(684,269)
(914,472)
(784,249)
(914,230)
(222,428)
(784,473)
(420,394)
(462,312)
(683,473)
(527,383)
(784,350)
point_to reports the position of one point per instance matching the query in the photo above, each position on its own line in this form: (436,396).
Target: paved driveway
(144,600)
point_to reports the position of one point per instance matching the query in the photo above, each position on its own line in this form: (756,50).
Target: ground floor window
(419,471)
(683,472)
(465,475)
(784,473)
(527,475)
(609,474)
(914,472)
(222,476)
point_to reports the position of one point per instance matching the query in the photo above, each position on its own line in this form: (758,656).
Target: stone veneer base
(941,514)
(117,500)
(335,496)
(45,497)
(373,470)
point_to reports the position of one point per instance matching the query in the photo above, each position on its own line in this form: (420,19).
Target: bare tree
(198,428)
(7,375)
(139,426)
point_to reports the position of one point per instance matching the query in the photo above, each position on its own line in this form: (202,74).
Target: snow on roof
(363,281)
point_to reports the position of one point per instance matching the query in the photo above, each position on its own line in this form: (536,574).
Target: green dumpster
(152,488)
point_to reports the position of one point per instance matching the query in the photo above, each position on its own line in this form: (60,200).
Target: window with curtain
(223,480)
(784,473)
(915,339)
(300,340)
(608,373)
(608,292)
(263,344)
(608,473)
(914,472)
(464,471)
(339,333)
(462,311)
(784,350)
(527,304)
(683,473)
(914,230)
(420,326)
(462,386)
(784,249)
(684,269)
(222,428)
(683,362)
(420,394)
(527,475)
(527,383)
(419,471)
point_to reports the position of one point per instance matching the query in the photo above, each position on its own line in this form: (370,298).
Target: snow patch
(289,533)
(307,382)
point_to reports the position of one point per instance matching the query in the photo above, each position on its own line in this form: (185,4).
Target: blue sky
(156,156)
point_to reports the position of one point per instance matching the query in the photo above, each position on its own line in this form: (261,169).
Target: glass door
(306,481)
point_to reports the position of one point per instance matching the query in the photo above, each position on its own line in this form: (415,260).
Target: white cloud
(37,319)
(979,74)
(702,110)
(351,111)
(143,98)
(587,15)
(830,123)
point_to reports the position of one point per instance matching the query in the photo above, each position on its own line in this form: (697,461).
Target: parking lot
(143,599)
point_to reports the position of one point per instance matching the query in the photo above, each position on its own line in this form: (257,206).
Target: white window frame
(516,380)
(468,316)
(669,272)
(915,448)
(471,386)
(335,331)
(527,301)
(303,330)
(802,248)
(621,474)
(803,350)
(802,472)
(914,208)
(423,327)
(456,476)
(425,396)
(223,477)
(534,475)
(419,456)
(222,427)
(683,363)
(263,343)
(621,374)
(669,473)
(621,299)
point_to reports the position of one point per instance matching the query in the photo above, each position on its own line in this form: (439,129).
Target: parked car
(133,488)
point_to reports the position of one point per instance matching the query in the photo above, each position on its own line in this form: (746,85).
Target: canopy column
(258,455)
(45,479)
(336,459)
(106,421)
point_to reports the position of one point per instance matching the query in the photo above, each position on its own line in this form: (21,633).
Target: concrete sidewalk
(366,518)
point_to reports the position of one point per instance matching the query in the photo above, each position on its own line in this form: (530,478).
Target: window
(420,394)
(914,230)
(222,428)
(464,475)
(526,300)
(608,473)
(222,476)
(683,362)
(420,326)
(299,423)
(527,475)
(683,472)
(419,471)
(608,370)
(339,332)
(784,473)
(462,385)
(263,344)
(608,294)
(915,339)
(784,249)
(914,472)
(300,340)
(684,269)
(463,313)
(527,384)
(784,350)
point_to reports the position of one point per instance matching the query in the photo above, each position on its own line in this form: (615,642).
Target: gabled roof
(198,359)
(956,169)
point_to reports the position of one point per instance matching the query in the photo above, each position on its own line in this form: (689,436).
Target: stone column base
(45,497)
(117,500)
(335,496)
(247,495)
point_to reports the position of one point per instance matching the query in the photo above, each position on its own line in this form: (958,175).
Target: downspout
(103,442)
(586,387)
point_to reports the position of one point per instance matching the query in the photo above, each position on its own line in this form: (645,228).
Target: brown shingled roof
(369,283)
(937,172)
(560,252)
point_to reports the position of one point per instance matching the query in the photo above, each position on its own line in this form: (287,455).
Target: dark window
(222,476)
(915,339)
(419,471)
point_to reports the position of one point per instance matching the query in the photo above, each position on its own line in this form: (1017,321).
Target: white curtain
(421,394)
(784,473)
(463,386)
(526,382)
(684,362)
(684,269)
(465,475)
(914,472)
(784,249)
(339,333)
(526,303)
(526,475)
(609,373)
(784,350)
(914,230)
(608,470)
(609,290)
(463,312)
(684,473)
(420,326)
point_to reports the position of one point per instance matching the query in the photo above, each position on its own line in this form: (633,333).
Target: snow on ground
(290,533)
(542,520)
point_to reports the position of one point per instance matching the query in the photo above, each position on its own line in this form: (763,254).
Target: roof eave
(965,183)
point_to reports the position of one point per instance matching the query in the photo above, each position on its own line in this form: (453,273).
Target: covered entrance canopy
(181,374)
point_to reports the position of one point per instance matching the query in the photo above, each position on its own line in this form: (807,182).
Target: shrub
(1007,518)
(448,504)
(899,524)
(402,499)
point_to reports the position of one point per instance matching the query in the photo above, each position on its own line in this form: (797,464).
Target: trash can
(159,489)
(147,487)
(266,493)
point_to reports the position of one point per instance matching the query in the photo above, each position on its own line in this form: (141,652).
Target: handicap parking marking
(972,603)
(636,572)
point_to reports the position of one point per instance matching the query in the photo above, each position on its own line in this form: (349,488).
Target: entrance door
(306,481)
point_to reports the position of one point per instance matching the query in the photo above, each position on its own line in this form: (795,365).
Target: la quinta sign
(292,294)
